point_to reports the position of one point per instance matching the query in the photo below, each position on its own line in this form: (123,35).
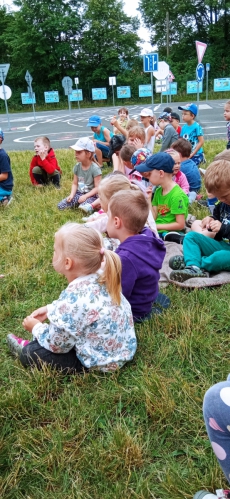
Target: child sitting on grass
(204,254)
(141,253)
(101,138)
(44,168)
(178,177)
(87,176)
(123,118)
(146,115)
(188,167)
(136,137)
(170,203)
(169,132)
(90,324)
(6,177)
(192,132)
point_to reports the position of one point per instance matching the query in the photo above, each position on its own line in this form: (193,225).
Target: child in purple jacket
(140,251)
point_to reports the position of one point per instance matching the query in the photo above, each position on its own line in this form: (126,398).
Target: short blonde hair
(132,208)
(110,185)
(45,141)
(138,132)
(131,123)
(217,176)
(85,244)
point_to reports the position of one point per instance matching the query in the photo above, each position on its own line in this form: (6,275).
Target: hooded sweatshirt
(141,256)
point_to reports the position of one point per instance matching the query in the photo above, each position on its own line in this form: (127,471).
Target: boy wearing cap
(146,117)
(6,177)
(87,176)
(170,134)
(192,132)
(101,138)
(170,203)
(176,122)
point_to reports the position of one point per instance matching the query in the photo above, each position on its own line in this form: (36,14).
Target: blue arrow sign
(200,72)
(150,63)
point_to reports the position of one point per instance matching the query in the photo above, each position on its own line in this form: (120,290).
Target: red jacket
(49,164)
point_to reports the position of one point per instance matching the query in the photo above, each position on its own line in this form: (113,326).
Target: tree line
(93,40)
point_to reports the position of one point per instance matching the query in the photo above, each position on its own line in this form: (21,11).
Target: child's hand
(137,143)
(113,121)
(205,222)
(149,192)
(29,322)
(43,155)
(82,199)
(40,314)
(215,225)
(69,199)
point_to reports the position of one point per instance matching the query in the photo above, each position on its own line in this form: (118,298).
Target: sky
(130,7)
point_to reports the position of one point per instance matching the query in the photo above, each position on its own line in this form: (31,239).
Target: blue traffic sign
(150,63)
(200,72)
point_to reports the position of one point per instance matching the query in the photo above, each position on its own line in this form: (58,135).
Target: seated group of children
(91,324)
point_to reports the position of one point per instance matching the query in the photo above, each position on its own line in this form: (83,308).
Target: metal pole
(152,91)
(31,92)
(206,85)
(78,98)
(167,89)
(113,96)
(197,99)
(69,102)
(5,99)
(170,99)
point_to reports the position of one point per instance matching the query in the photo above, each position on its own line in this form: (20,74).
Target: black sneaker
(177,262)
(174,237)
(188,273)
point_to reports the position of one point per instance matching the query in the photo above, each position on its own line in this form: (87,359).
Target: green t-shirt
(174,203)
(86,177)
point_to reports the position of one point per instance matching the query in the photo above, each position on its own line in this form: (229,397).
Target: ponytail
(111,276)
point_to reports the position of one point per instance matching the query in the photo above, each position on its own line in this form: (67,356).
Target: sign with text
(192,87)
(123,92)
(145,90)
(26,99)
(171,89)
(76,95)
(221,84)
(99,93)
(52,96)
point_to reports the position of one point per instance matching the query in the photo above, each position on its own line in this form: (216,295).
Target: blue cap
(94,120)
(158,161)
(1,134)
(189,107)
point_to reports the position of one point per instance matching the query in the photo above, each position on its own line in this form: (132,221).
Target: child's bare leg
(196,227)
(99,156)
(96,204)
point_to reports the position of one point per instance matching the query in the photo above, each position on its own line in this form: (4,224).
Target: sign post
(76,81)
(207,70)
(4,68)
(29,80)
(67,84)
(200,50)
(150,64)
(112,81)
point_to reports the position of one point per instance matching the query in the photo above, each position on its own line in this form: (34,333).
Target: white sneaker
(87,208)
(204,494)
(202,172)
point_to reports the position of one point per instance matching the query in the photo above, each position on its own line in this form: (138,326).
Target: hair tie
(102,251)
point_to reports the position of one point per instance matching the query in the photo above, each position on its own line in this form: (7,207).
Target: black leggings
(35,355)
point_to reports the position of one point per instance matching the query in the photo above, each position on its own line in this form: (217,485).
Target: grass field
(138,433)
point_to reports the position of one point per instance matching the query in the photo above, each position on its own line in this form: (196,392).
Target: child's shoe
(87,208)
(6,201)
(174,237)
(177,262)
(16,344)
(189,220)
(188,273)
(202,171)
(204,494)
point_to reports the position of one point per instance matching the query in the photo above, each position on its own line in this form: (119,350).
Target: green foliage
(137,433)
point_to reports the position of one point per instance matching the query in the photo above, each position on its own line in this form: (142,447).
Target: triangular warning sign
(200,49)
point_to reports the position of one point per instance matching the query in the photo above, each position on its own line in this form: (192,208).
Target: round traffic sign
(200,72)
(8,92)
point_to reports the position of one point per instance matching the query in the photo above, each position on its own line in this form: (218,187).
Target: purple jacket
(141,257)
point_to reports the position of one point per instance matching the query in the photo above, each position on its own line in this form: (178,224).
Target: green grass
(138,433)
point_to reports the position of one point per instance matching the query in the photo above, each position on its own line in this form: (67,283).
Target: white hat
(84,144)
(146,112)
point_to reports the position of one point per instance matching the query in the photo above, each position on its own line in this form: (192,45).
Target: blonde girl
(90,324)
(109,186)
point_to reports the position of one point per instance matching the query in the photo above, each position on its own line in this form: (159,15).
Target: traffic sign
(76,80)
(150,62)
(162,72)
(5,92)
(67,84)
(207,66)
(4,68)
(28,78)
(200,50)
(200,72)
(112,80)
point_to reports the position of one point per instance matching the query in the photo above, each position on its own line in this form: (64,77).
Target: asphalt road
(64,128)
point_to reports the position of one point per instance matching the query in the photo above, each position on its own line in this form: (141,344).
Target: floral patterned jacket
(85,318)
